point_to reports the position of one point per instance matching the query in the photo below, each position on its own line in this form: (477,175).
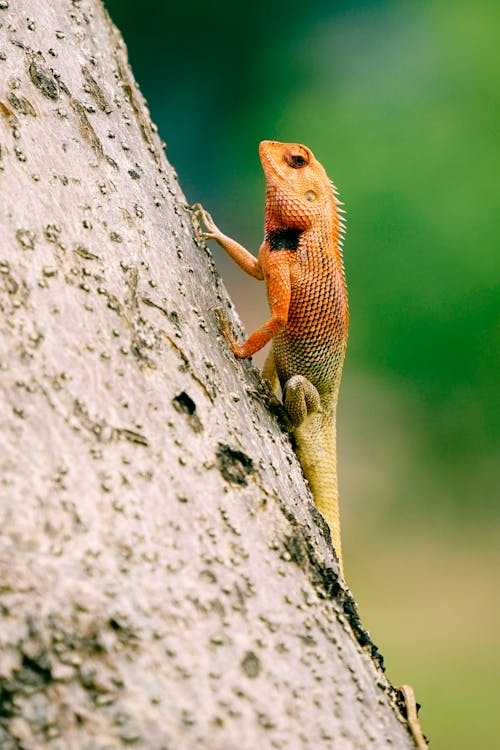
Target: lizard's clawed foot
(211,231)
(224,323)
(300,398)
(227,329)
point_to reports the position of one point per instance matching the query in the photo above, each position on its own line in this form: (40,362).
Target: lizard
(301,262)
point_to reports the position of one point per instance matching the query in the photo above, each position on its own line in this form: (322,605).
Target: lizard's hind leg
(314,435)
(300,398)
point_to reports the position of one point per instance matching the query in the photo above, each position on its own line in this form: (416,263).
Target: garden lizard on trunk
(301,262)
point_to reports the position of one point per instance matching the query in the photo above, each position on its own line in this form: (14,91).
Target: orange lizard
(301,262)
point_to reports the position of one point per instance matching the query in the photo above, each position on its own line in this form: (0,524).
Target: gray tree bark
(165,581)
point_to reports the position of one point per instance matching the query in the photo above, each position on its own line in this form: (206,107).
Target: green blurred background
(401,103)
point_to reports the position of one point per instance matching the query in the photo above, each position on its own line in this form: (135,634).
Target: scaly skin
(301,262)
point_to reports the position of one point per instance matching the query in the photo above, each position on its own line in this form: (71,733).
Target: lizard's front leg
(278,292)
(237,252)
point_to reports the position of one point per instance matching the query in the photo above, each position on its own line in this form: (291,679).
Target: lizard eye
(296,161)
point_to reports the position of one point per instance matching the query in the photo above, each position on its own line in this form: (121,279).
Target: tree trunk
(165,581)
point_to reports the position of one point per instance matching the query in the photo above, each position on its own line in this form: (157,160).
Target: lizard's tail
(316,450)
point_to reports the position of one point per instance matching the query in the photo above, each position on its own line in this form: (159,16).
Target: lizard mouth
(269,153)
(265,151)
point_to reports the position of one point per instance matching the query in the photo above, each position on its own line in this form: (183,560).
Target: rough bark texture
(164,579)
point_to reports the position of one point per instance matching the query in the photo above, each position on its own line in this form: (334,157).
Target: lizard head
(298,191)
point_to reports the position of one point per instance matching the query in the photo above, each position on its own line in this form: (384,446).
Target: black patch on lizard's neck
(284,239)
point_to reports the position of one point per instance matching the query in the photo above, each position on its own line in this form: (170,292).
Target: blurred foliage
(401,103)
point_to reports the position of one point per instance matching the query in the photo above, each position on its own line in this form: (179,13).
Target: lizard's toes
(224,323)
(204,217)
(300,398)
(207,219)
